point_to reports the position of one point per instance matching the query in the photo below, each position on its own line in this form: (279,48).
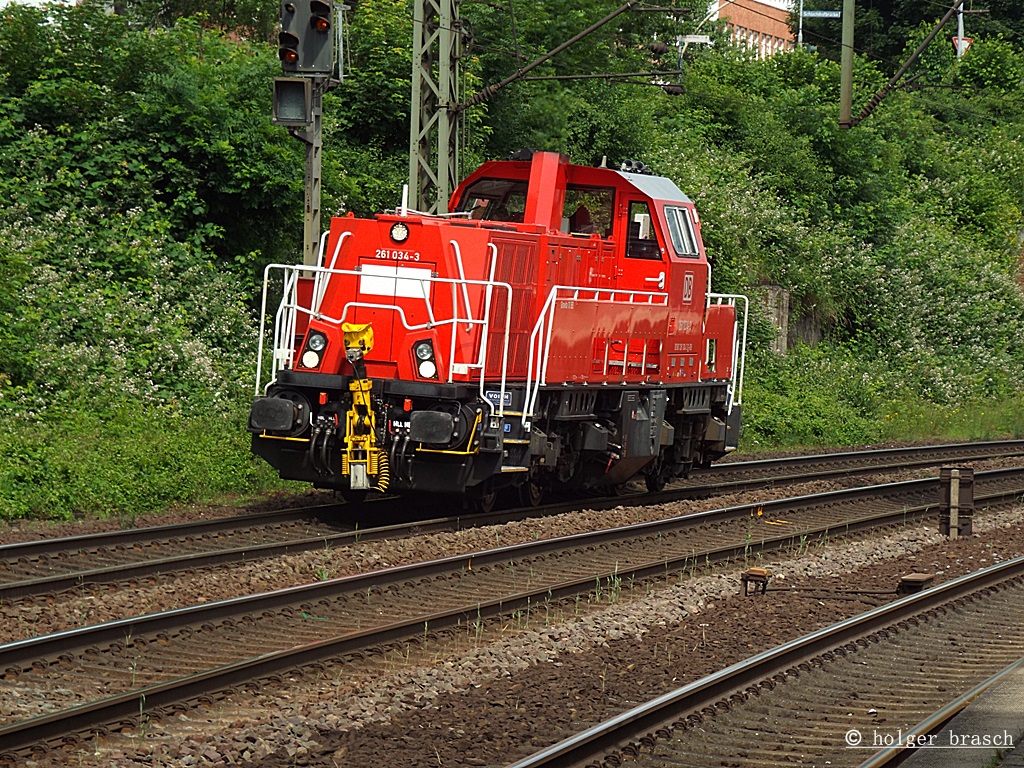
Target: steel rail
(123,572)
(896,458)
(896,753)
(860,463)
(622,734)
(224,609)
(131,704)
(33,648)
(128,537)
(989,447)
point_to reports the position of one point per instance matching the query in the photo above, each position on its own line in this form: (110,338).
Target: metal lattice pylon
(433,124)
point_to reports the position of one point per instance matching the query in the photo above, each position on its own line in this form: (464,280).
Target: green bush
(917,419)
(828,396)
(145,187)
(129,460)
(812,397)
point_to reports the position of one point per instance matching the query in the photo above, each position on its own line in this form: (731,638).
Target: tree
(882,27)
(254,20)
(567,115)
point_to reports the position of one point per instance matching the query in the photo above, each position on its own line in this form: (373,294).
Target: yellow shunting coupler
(361,458)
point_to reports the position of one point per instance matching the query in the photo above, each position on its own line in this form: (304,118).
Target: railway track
(731,477)
(53,565)
(146,666)
(834,697)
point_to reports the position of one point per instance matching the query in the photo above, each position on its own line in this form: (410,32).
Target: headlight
(399,232)
(424,350)
(427,369)
(316,342)
(310,359)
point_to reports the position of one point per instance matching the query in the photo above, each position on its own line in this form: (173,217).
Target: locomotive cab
(556,329)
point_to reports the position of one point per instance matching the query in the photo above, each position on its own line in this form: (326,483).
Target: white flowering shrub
(901,240)
(163,334)
(129,385)
(144,186)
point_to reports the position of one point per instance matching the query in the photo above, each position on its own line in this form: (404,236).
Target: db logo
(688,287)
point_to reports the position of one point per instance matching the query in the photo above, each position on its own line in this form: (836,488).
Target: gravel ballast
(490,697)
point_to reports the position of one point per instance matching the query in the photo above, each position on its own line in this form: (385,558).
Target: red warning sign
(961,44)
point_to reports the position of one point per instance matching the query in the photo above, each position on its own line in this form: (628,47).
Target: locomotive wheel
(531,493)
(617,489)
(657,475)
(655,482)
(479,501)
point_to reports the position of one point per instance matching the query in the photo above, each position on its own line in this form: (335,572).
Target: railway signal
(306,41)
(320,16)
(289,51)
(293,101)
(306,50)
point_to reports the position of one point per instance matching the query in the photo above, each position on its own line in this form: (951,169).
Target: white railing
(540,337)
(323,279)
(286,317)
(739,351)
(286,322)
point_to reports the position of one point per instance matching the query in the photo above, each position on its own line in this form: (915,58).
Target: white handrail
(533,387)
(543,328)
(320,286)
(484,337)
(285,319)
(739,352)
(259,345)
(462,277)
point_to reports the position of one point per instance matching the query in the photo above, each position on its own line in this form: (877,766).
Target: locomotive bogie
(557,331)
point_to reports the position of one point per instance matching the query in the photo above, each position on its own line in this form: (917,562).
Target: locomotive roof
(656,187)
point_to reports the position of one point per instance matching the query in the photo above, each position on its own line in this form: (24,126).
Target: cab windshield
(586,210)
(495,200)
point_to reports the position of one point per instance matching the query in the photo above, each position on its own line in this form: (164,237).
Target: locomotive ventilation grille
(517,267)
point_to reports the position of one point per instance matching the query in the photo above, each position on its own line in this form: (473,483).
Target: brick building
(760,24)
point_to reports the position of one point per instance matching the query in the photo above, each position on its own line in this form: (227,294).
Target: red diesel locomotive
(557,329)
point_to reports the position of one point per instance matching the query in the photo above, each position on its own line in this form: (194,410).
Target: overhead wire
(494,48)
(871,56)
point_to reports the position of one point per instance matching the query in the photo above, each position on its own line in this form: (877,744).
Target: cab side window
(641,241)
(588,210)
(680,229)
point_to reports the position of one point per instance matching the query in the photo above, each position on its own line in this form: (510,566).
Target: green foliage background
(145,188)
